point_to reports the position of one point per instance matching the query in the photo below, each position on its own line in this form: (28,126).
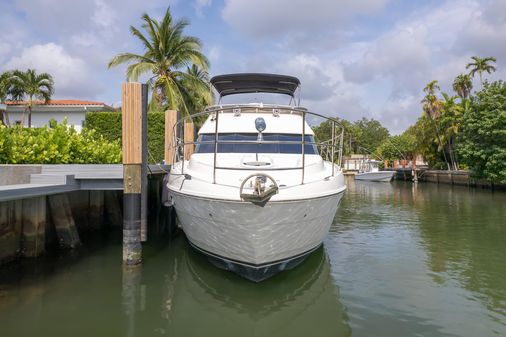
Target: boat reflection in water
(211,302)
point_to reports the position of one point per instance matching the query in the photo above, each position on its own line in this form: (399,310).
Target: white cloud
(261,18)
(316,82)
(4,50)
(104,15)
(402,55)
(71,75)
(484,32)
(400,112)
(200,5)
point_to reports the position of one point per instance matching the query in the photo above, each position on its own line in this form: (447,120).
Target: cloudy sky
(355,58)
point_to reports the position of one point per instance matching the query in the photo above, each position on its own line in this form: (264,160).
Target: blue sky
(355,58)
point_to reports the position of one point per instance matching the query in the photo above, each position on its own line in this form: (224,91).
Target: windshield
(256,148)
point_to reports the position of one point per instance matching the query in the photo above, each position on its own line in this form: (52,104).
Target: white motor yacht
(369,171)
(256,196)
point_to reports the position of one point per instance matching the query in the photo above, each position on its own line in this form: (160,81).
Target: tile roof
(57,102)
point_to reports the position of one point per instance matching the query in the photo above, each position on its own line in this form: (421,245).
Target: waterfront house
(74,110)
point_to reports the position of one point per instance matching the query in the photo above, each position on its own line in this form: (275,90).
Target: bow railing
(330,150)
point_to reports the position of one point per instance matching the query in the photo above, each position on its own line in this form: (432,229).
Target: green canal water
(400,260)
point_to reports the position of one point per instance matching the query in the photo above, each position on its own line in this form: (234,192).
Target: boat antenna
(300,89)
(372,153)
(395,147)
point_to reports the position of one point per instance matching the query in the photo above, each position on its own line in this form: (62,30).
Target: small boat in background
(369,171)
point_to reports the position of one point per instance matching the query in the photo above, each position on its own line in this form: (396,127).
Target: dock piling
(34,226)
(134,110)
(170,121)
(64,223)
(96,209)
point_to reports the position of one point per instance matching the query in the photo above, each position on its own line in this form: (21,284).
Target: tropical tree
(432,107)
(482,140)
(398,146)
(167,54)
(480,65)
(5,88)
(198,93)
(462,85)
(450,121)
(369,134)
(31,85)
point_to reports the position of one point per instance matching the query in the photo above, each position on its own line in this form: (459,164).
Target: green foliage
(399,146)
(60,144)
(31,85)
(5,85)
(108,125)
(369,135)
(156,136)
(482,141)
(462,85)
(480,65)
(362,136)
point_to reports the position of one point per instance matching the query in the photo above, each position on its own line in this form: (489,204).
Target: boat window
(256,148)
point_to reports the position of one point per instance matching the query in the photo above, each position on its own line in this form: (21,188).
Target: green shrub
(156,136)
(60,144)
(108,125)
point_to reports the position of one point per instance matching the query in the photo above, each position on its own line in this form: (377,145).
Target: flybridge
(245,83)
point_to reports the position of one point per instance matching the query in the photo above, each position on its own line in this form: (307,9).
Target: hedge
(108,125)
(58,144)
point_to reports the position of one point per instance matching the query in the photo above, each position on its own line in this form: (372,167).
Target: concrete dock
(42,205)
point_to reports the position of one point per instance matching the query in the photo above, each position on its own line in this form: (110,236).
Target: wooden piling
(113,208)
(10,230)
(170,121)
(134,110)
(96,209)
(63,221)
(189,137)
(34,226)
(415,172)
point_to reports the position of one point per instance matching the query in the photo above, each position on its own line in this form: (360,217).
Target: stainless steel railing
(328,149)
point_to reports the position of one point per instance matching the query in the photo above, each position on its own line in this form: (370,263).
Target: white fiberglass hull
(255,236)
(383,176)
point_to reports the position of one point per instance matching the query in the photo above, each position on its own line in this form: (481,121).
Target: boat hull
(255,241)
(383,176)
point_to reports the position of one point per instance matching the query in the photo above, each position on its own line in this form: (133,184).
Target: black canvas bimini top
(244,83)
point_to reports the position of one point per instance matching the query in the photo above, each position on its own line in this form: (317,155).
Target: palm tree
(480,65)
(431,104)
(463,85)
(5,88)
(198,90)
(167,52)
(432,107)
(450,121)
(32,85)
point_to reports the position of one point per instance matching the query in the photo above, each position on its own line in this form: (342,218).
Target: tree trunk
(23,118)
(440,142)
(30,113)
(7,121)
